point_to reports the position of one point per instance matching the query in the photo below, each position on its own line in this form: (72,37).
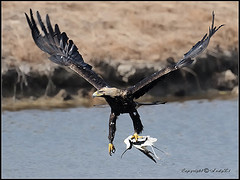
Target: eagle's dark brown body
(120,105)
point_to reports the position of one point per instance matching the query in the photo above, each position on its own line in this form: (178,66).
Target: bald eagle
(64,52)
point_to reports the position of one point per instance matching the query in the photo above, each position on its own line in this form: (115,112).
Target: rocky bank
(124,42)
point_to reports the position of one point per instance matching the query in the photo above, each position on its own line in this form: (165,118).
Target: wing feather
(147,153)
(200,46)
(146,84)
(62,50)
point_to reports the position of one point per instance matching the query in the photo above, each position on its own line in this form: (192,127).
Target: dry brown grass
(150,31)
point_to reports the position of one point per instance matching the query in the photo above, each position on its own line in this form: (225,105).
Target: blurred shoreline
(48,103)
(124,42)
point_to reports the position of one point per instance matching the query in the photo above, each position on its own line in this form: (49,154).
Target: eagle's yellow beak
(97,94)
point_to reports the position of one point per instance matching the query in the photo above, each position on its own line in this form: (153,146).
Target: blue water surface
(200,137)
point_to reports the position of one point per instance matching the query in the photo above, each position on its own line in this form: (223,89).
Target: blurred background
(124,42)
(48,129)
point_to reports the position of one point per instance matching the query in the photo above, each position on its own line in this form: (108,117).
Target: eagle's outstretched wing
(61,50)
(149,82)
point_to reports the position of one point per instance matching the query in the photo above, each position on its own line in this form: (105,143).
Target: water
(200,136)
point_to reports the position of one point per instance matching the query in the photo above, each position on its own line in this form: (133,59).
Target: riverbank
(124,42)
(47,103)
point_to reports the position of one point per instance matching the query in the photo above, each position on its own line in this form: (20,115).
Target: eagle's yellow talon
(136,136)
(111,149)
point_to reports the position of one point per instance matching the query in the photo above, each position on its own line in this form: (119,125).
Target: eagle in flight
(64,52)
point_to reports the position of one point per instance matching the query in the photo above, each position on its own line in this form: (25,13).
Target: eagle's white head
(106,91)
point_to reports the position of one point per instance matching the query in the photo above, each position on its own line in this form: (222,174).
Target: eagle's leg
(137,124)
(112,129)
